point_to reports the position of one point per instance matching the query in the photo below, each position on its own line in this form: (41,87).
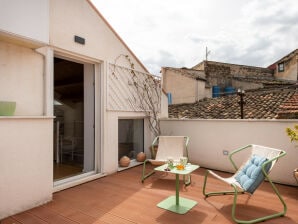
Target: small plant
(147,94)
(293,133)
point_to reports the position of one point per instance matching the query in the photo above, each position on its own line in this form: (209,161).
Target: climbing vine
(147,94)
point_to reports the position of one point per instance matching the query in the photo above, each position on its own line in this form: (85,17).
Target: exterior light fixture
(241,93)
(79,40)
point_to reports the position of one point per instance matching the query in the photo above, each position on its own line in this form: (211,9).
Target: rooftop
(187,72)
(285,58)
(258,105)
(122,198)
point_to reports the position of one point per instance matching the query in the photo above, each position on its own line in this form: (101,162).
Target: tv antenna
(207,53)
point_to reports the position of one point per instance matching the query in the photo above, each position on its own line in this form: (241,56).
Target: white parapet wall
(210,138)
(26,163)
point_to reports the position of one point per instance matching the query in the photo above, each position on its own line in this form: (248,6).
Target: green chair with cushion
(250,176)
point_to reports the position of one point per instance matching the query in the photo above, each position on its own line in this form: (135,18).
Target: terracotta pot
(141,157)
(295,173)
(124,161)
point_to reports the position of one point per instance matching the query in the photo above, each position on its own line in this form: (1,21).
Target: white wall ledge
(25,117)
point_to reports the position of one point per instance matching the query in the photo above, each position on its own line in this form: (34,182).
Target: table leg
(177,189)
(176,203)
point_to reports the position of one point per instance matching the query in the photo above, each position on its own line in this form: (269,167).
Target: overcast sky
(175,33)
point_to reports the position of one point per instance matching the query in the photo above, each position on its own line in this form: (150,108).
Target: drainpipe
(48,57)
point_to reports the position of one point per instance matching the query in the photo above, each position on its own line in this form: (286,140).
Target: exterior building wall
(82,20)
(290,69)
(182,88)
(202,92)
(221,74)
(26,76)
(243,70)
(28,19)
(246,85)
(26,163)
(200,66)
(164,113)
(225,75)
(21,78)
(110,162)
(209,138)
(218,68)
(102,47)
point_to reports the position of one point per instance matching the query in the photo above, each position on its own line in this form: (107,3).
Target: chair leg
(144,175)
(187,180)
(264,218)
(236,192)
(207,194)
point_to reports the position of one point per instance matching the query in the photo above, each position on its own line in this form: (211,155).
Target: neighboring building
(217,79)
(287,67)
(278,104)
(68,72)
(223,74)
(183,85)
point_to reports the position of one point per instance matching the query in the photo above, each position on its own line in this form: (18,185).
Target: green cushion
(251,175)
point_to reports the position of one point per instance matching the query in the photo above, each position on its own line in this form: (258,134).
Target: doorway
(74,152)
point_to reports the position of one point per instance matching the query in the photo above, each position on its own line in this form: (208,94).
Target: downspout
(48,56)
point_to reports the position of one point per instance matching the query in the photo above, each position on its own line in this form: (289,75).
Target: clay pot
(295,173)
(141,157)
(124,161)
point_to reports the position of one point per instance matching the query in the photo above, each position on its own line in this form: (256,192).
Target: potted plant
(293,134)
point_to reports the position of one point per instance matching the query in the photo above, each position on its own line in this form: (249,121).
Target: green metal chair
(173,147)
(249,176)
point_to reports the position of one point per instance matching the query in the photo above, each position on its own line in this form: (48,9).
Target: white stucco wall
(26,163)
(77,17)
(208,139)
(21,78)
(27,78)
(101,46)
(29,19)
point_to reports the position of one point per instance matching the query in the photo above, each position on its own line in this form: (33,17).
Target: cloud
(172,33)
(163,59)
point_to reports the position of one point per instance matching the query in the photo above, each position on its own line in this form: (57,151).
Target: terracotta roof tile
(258,105)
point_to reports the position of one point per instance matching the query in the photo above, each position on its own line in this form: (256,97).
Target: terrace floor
(121,198)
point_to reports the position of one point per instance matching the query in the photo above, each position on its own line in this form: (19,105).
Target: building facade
(221,79)
(60,63)
(287,67)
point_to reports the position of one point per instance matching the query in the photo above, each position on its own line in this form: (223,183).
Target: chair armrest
(234,152)
(275,159)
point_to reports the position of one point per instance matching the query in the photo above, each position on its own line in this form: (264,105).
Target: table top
(188,169)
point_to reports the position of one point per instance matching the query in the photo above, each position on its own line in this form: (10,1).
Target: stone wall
(225,69)
(223,74)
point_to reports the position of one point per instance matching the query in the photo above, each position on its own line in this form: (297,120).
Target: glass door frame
(97,144)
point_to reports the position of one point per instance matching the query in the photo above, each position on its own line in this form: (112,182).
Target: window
(281,67)
(130,137)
